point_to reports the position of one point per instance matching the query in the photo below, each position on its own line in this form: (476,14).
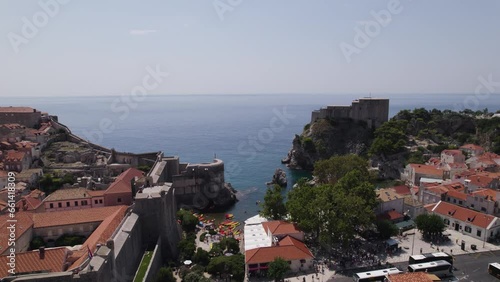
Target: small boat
(229,216)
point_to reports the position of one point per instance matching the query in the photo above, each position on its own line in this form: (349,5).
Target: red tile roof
(391,215)
(28,203)
(472,147)
(279,227)
(100,235)
(476,218)
(402,190)
(288,249)
(23,224)
(486,193)
(58,218)
(452,152)
(28,262)
(96,193)
(15,156)
(122,184)
(480,180)
(426,169)
(457,195)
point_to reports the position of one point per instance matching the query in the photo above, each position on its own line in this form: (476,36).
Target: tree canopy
(430,224)
(278,269)
(273,205)
(334,212)
(331,170)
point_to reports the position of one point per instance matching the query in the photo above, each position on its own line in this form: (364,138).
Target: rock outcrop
(325,138)
(279,178)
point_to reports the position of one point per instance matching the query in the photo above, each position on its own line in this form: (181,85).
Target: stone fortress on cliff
(374,111)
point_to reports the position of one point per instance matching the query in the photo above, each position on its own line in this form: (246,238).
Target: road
(471,267)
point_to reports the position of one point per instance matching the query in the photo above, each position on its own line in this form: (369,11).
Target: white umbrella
(187,262)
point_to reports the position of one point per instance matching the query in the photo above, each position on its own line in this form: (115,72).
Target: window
(454,201)
(84,203)
(302,261)
(472,205)
(483,209)
(446,221)
(100,201)
(119,200)
(460,202)
(468,229)
(59,205)
(95,201)
(478,233)
(51,206)
(76,203)
(448,199)
(481,200)
(67,204)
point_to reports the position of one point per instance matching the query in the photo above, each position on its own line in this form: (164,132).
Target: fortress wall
(28,119)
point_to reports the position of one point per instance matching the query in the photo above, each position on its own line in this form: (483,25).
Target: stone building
(26,116)
(374,111)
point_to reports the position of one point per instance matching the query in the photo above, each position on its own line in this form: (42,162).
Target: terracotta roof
(3,204)
(426,169)
(434,161)
(68,194)
(100,235)
(457,166)
(472,147)
(452,152)
(279,227)
(16,110)
(410,277)
(457,195)
(402,190)
(475,218)
(288,248)
(58,218)
(391,215)
(23,224)
(486,193)
(15,156)
(122,184)
(53,261)
(480,180)
(28,203)
(96,193)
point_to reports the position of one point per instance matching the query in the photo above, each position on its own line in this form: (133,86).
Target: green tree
(303,208)
(201,257)
(193,277)
(390,138)
(430,225)
(188,220)
(165,275)
(273,205)
(278,269)
(230,244)
(187,246)
(386,229)
(334,168)
(224,266)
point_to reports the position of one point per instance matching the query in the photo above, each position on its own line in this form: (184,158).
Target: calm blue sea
(251,133)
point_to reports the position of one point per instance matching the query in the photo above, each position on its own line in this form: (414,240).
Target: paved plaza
(413,242)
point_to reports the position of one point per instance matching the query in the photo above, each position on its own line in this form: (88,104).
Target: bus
(439,267)
(494,269)
(430,257)
(375,275)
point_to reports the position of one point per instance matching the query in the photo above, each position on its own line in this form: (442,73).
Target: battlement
(374,111)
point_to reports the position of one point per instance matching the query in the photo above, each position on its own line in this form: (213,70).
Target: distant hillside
(410,136)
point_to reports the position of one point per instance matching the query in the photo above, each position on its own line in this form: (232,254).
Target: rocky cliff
(325,138)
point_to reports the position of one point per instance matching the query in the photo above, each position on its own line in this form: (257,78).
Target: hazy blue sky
(257,46)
